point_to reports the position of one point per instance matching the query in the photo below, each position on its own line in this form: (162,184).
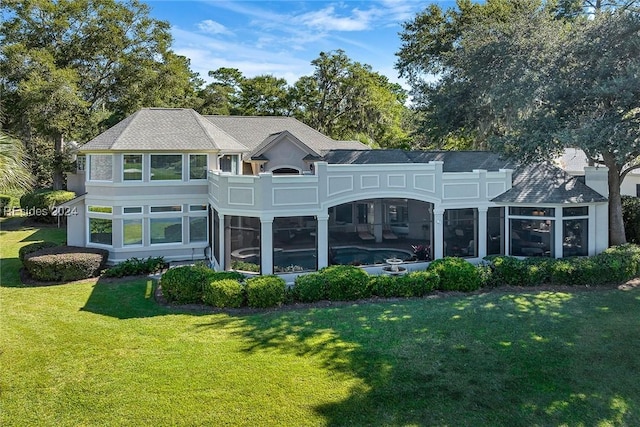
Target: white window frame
(90,172)
(141,165)
(166,180)
(189,166)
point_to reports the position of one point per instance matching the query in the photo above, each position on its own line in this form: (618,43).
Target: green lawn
(104,353)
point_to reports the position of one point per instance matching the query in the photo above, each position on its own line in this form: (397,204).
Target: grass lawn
(104,353)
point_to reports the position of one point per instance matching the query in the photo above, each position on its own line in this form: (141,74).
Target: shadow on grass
(543,358)
(126,298)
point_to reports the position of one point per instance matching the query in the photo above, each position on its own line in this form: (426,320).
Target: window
(165,230)
(529,211)
(495,227)
(100,167)
(198,229)
(81,163)
(532,237)
(132,210)
(161,209)
(100,209)
(638,190)
(166,167)
(295,247)
(575,237)
(100,231)
(229,163)
(343,214)
(461,232)
(132,232)
(580,211)
(132,167)
(198,166)
(216,236)
(196,208)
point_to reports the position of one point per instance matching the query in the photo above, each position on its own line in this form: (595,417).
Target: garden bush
(631,218)
(224,275)
(185,284)
(265,291)
(65,263)
(5,203)
(224,293)
(345,282)
(309,288)
(417,283)
(383,285)
(618,264)
(136,266)
(33,247)
(512,271)
(39,204)
(456,274)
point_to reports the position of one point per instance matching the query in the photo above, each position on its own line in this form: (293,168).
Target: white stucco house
(272,195)
(574,160)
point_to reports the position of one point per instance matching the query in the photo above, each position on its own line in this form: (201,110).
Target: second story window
(100,167)
(166,167)
(197,166)
(132,167)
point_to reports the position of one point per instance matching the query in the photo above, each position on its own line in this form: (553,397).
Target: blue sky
(283,37)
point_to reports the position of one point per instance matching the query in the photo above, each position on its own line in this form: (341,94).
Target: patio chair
(387,233)
(364,233)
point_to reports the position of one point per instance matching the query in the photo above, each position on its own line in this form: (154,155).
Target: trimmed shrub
(224,275)
(456,274)
(65,263)
(417,283)
(136,266)
(618,264)
(185,284)
(33,247)
(40,203)
(265,291)
(383,285)
(631,218)
(223,293)
(345,282)
(511,271)
(309,288)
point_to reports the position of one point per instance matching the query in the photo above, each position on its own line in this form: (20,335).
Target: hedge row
(136,267)
(631,218)
(614,265)
(64,263)
(194,284)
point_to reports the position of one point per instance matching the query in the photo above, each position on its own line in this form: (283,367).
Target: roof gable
(278,138)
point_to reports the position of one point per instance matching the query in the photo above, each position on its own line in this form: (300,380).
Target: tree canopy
(529,78)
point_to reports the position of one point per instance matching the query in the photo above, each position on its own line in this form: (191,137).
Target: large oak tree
(530,78)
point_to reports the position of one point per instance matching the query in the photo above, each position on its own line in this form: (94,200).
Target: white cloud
(327,20)
(212,27)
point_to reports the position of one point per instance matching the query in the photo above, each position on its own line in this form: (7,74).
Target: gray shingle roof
(544,183)
(165,129)
(252,131)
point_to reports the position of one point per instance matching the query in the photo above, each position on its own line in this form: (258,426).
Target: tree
(346,99)
(14,171)
(264,95)
(221,95)
(534,83)
(70,68)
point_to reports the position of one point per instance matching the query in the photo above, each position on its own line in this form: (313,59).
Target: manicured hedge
(33,247)
(456,274)
(185,284)
(345,282)
(224,293)
(265,291)
(65,263)
(5,203)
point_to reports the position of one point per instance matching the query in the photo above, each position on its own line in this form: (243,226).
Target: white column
(322,238)
(438,233)
(266,245)
(482,232)
(225,242)
(557,238)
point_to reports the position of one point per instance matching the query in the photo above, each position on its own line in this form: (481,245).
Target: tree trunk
(616,222)
(58,164)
